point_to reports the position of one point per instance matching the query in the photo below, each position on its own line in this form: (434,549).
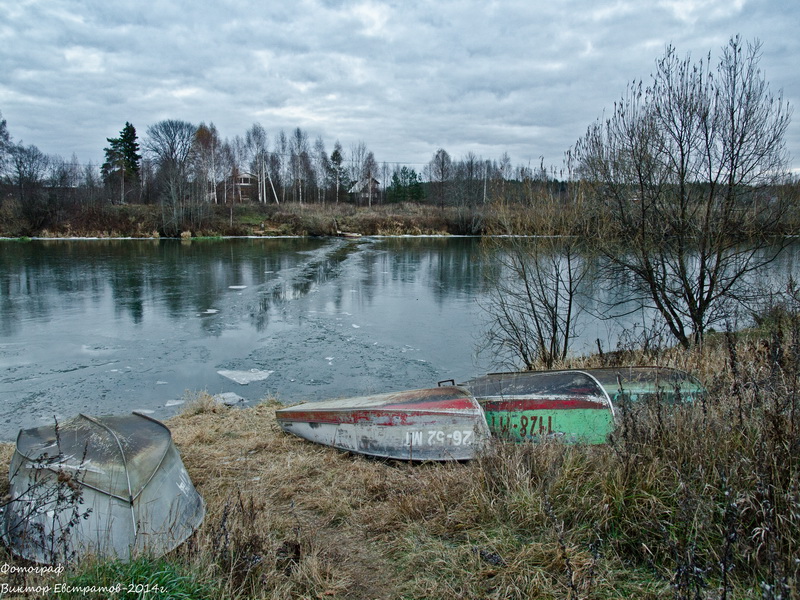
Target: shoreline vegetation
(293,219)
(697,501)
(547,219)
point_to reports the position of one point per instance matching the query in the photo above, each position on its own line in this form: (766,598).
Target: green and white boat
(573,405)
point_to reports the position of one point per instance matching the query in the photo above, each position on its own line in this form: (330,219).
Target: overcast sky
(406,77)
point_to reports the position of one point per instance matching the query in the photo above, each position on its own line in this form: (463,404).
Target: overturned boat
(637,384)
(573,405)
(435,424)
(111,487)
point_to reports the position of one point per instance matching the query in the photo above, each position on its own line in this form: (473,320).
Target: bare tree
(469,175)
(440,172)
(28,169)
(358,153)
(339,172)
(90,184)
(5,144)
(240,174)
(685,173)
(300,163)
(256,143)
(533,304)
(171,143)
(322,168)
(64,181)
(369,172)
(207,155)
(285,165)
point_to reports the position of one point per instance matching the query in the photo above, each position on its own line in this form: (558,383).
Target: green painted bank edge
(573,425)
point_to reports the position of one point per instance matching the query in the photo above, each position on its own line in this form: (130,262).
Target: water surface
(110,326)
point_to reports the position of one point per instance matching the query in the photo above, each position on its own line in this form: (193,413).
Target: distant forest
(186,168)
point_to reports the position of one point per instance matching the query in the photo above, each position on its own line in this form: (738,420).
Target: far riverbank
(145,221)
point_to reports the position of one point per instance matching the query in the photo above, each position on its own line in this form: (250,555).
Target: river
(111,326)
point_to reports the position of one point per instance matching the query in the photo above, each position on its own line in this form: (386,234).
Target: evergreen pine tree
(122,163)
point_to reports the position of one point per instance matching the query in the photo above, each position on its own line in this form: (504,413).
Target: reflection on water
(103,326)
(109,326)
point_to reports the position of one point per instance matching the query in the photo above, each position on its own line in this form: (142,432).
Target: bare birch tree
(339,172)
(171,143)
(5,144)
(686,173)
(256,142)
(208,161)
(358,153)
(369,173)
(322,168)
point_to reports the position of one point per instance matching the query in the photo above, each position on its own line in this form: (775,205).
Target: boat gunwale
(289,415)
(606,396)
(404,401)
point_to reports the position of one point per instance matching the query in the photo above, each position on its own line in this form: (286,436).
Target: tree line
(186,169)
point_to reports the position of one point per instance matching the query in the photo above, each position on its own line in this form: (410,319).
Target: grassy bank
(140,220)
(697,501)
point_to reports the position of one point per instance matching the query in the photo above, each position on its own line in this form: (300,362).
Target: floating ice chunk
(145,411)
(236,287)
(245,377)
(228,398)
(174,403)
(161,382)
(356,326)
(210,311)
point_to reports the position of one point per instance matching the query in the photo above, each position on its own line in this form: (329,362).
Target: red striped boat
(435,424)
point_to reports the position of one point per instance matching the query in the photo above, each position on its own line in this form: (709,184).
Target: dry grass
(285,507)
(383,219)
(698,501)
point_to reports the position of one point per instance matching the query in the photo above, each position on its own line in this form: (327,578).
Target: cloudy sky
(406,77)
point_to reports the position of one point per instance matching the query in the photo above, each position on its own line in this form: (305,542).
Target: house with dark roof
(366,190)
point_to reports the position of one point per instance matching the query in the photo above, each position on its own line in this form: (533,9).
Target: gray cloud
(406,77)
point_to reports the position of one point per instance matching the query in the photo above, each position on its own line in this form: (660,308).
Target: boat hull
(639,384)
(437,424)
(569,406)
(574,405)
